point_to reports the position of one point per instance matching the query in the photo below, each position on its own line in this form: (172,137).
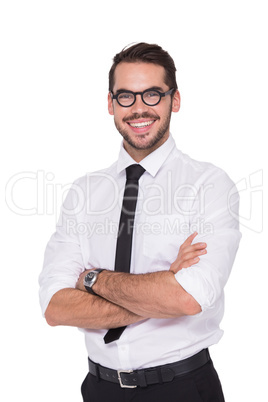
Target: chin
(145,141)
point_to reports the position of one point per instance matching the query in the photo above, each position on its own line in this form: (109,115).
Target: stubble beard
(153,142)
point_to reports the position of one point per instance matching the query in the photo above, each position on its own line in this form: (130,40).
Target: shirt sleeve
(63,262)
(214,215)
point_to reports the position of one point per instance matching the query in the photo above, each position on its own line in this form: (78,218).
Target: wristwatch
(90,279)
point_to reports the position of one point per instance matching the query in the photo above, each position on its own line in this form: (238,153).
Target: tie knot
(134,172)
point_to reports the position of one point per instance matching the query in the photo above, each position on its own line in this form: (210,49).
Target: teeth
(144,124)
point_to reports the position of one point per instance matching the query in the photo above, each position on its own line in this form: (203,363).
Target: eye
(151,95)
(151,98)
(125,96)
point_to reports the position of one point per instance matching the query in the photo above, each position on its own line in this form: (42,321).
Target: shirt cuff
(196,286)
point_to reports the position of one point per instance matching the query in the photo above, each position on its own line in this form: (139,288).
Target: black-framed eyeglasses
(151,97)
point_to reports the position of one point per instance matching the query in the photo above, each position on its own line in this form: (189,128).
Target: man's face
(144,128)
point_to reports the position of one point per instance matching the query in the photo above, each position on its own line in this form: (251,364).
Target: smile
(142,124)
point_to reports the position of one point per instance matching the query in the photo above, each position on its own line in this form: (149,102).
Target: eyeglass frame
(161,94)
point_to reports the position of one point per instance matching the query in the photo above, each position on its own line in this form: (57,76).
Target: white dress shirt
(177,196)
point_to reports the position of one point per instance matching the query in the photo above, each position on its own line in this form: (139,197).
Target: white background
(55,57)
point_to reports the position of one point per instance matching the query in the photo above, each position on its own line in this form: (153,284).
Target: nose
(139,106)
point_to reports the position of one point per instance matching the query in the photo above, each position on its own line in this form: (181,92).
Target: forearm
(73,307)
(154,295)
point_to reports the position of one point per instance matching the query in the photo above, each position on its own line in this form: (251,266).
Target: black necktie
(125,232)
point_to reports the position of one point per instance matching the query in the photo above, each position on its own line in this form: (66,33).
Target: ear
(176,102)
(110,104)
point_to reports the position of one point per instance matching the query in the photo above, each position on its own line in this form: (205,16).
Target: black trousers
(201,385)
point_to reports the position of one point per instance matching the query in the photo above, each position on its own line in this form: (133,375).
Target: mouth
(141,126)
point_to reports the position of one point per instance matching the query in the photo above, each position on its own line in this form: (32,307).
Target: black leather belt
(149,376)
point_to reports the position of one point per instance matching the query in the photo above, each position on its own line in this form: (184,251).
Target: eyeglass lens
(149,97)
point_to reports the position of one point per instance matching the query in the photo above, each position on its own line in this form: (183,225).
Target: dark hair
(146,53)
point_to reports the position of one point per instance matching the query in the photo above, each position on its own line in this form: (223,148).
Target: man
(147,330)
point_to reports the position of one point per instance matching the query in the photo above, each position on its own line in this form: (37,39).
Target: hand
(188,254)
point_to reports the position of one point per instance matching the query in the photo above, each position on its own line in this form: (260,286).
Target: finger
(192,248)
(189,240)
(196,246)
(189,263)
(193,254)
(194,261)
(199,245)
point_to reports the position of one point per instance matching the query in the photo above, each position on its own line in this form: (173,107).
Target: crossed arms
(125,299)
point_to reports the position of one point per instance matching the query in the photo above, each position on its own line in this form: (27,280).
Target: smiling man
(149,300)
(143,116)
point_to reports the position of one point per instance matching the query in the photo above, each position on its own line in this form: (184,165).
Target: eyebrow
(155,88)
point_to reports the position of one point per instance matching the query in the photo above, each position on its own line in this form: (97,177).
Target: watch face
(90,279)
(90,276)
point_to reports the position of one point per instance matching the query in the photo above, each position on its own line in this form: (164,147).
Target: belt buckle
(120,379)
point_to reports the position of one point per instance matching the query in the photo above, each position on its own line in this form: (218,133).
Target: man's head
(146,53)
(143,93)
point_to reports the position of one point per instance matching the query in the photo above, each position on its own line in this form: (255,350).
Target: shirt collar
(152,162)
